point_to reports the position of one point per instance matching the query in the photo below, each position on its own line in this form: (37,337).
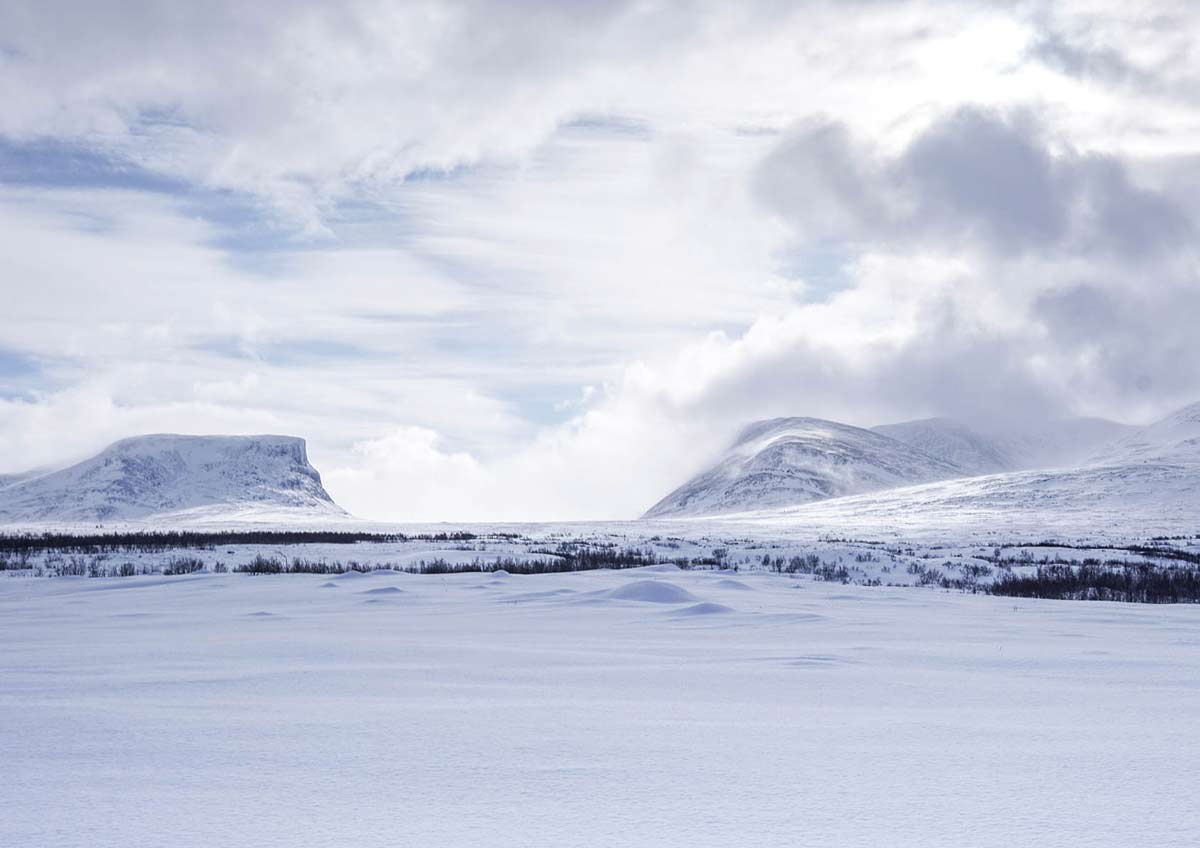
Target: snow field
(641,707)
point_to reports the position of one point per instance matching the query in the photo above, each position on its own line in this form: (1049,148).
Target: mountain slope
(1134,499)
(1062,443)
(1173,439)
(1066,442)
(786,461)
(1146,481)
(971,451)
(153,476)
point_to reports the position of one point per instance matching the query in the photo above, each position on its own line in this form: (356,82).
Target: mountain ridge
(753,476)
(784,461)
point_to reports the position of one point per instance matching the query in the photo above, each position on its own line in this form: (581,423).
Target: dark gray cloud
(975,174)
(1101,63)
(951,368)
(1124,341)
(972,177)
(1143,48)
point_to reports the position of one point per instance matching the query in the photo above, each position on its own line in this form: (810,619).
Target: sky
(538,260)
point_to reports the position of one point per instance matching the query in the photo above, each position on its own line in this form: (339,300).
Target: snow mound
(733,584)
(701,609)
(549,594)
(653,592)
(384,590)
(158,476)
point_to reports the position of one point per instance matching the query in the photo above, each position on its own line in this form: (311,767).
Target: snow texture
(267,711)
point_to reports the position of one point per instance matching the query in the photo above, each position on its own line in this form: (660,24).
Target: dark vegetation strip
(163,540)
(574,559)
(1142,583)
(1153,551)
(567,556)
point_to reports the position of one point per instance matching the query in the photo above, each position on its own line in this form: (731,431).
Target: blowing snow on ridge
(786,461)
(175,476)
(990,450)
(917,471)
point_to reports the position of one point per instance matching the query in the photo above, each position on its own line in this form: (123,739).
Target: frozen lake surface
(643,707)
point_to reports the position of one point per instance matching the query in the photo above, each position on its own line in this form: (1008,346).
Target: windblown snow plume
(787,461)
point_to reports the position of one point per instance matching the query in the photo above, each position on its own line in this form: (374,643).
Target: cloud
(975,176)
(1142,49)
(1104,63)
(408,475)
(414,234)
(304,105)
(1122,341)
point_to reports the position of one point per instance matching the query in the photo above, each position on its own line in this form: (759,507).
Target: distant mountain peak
(790,462)
(971,451)
(163,474)
(1189,414)
(1175,438)
(785,461)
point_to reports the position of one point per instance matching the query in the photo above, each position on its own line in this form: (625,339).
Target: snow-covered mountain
(782,466)
(157,476)
(1063,443)
(787,461)
(1173,439)
(1138,499)
(9,479)
(969,450)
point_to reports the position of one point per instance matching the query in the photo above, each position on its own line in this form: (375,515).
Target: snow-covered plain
(721,705)
(640,707)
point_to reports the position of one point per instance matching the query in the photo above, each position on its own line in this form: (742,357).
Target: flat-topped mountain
(163,475)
